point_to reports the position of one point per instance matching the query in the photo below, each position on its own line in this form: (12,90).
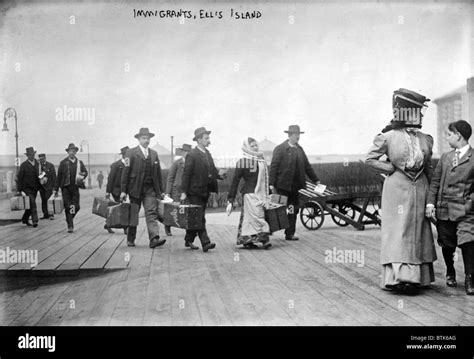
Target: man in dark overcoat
(175,176)
(200,177)
(114,181)
(48,179)
(71,176)
(288,171)
(28,184)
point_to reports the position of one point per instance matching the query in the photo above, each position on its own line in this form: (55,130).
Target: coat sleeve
(84,170)
(187,173)
(239,172)
(125,180)
(59,176)
(378,149)
(111,178)
(21,176)
(428,170)
(275,165)
(308,169)
(160,176)
(171,177)
(431,198)
(53,178)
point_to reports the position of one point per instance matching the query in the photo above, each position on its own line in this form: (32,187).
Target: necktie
(456,159)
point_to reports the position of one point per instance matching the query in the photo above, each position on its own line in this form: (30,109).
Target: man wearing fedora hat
(288,172)
(175,174)
(28,184)
(141,180)
(48,179)
(71,176)
(114,180)
(200,177)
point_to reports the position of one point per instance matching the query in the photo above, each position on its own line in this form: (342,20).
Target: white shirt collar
(144,150)
(463,150)
(199,147)
(123,160)
(73,161)
(32,162)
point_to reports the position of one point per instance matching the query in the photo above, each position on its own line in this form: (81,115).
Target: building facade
(454,106)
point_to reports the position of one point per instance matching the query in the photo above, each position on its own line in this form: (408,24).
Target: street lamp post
(89,180)
(11,113)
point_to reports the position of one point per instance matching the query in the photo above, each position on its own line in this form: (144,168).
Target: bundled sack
(276,217)
(100,205)
(55,205)
(122,215)
(185,216)
(19,203)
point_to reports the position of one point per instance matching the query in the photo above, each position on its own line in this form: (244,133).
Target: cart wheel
(343,209)
(312,215)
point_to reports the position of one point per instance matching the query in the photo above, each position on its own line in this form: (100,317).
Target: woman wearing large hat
(407,250)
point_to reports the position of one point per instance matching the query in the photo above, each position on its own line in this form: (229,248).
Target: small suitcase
(100,205)
(277,217)
(19,203)
(185,216)
(55,205)
(122,215)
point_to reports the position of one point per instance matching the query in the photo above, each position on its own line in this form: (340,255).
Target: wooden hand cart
(341,206)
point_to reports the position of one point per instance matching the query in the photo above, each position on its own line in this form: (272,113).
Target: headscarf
(262,187)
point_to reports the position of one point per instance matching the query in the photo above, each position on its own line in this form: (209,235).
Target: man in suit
(71,176)
(114,181)
(200,177)
(47,180)
(288,172)
(175,174)
(100,179)
(450,201)
(28,184)
(142,181)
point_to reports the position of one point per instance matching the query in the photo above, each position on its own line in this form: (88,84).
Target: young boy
(450,199)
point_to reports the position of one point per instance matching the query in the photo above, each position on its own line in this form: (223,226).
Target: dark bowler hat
(464,128)
(30,151)
(199,132)
(41,156)
(186,147)
(72,146)
(409,96)
(124,150)
(144,132)
(293,129)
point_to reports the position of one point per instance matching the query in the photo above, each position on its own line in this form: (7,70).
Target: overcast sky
(331,68)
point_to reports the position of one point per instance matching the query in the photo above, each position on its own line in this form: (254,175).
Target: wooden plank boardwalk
(290,284)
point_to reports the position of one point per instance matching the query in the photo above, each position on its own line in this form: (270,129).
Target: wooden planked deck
(90,249)
(290,284)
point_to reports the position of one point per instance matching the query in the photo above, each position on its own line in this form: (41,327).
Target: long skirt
(252,225)
(407,250)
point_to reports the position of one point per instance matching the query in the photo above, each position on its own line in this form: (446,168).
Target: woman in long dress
(407,249)
(252,167)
